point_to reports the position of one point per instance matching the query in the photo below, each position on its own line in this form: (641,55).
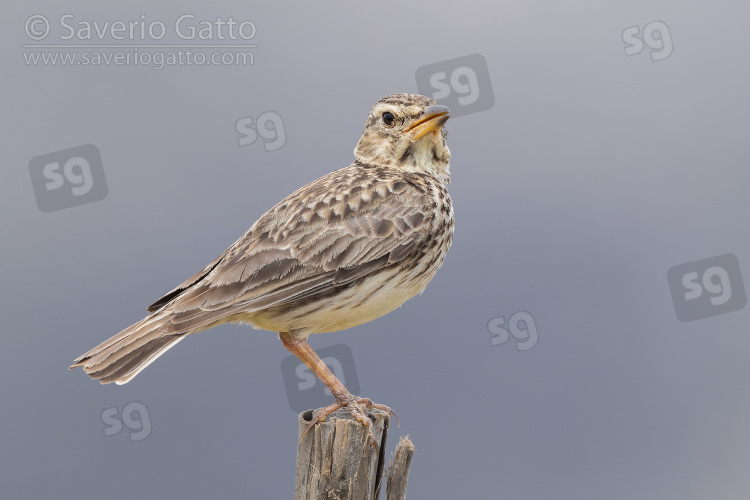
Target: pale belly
(369,299)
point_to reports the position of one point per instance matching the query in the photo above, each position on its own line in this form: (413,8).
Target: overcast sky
(595,146)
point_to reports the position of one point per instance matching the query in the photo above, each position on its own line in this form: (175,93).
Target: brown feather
(340,251)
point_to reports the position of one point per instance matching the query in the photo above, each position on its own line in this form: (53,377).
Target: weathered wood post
(336,460)
(398,471)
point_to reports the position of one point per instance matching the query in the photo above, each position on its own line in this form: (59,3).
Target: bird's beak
(432,120)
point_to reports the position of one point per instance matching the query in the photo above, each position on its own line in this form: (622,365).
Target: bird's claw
(358,407)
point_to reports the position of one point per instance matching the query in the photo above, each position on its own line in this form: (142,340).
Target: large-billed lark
(343,250)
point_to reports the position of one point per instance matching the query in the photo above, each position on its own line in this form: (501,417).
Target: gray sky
(592,174)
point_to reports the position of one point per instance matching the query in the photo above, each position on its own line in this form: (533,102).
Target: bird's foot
(358,407)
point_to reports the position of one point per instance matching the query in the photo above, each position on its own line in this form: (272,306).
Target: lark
(341,251)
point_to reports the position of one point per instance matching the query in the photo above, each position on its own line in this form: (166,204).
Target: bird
(341,251)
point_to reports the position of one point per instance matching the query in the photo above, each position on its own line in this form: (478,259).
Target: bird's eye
(389,119)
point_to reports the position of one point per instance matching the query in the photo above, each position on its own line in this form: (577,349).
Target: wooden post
(336,460)
(398,471)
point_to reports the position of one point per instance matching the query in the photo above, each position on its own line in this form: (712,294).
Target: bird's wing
(184,285)
(315,240)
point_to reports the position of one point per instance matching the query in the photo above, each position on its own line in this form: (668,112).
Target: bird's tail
(122,357)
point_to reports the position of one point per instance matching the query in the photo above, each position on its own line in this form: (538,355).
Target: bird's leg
(357,405)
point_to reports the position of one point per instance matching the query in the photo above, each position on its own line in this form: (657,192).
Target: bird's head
(405,131)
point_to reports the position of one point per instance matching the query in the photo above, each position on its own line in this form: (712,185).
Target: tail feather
(123,356)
